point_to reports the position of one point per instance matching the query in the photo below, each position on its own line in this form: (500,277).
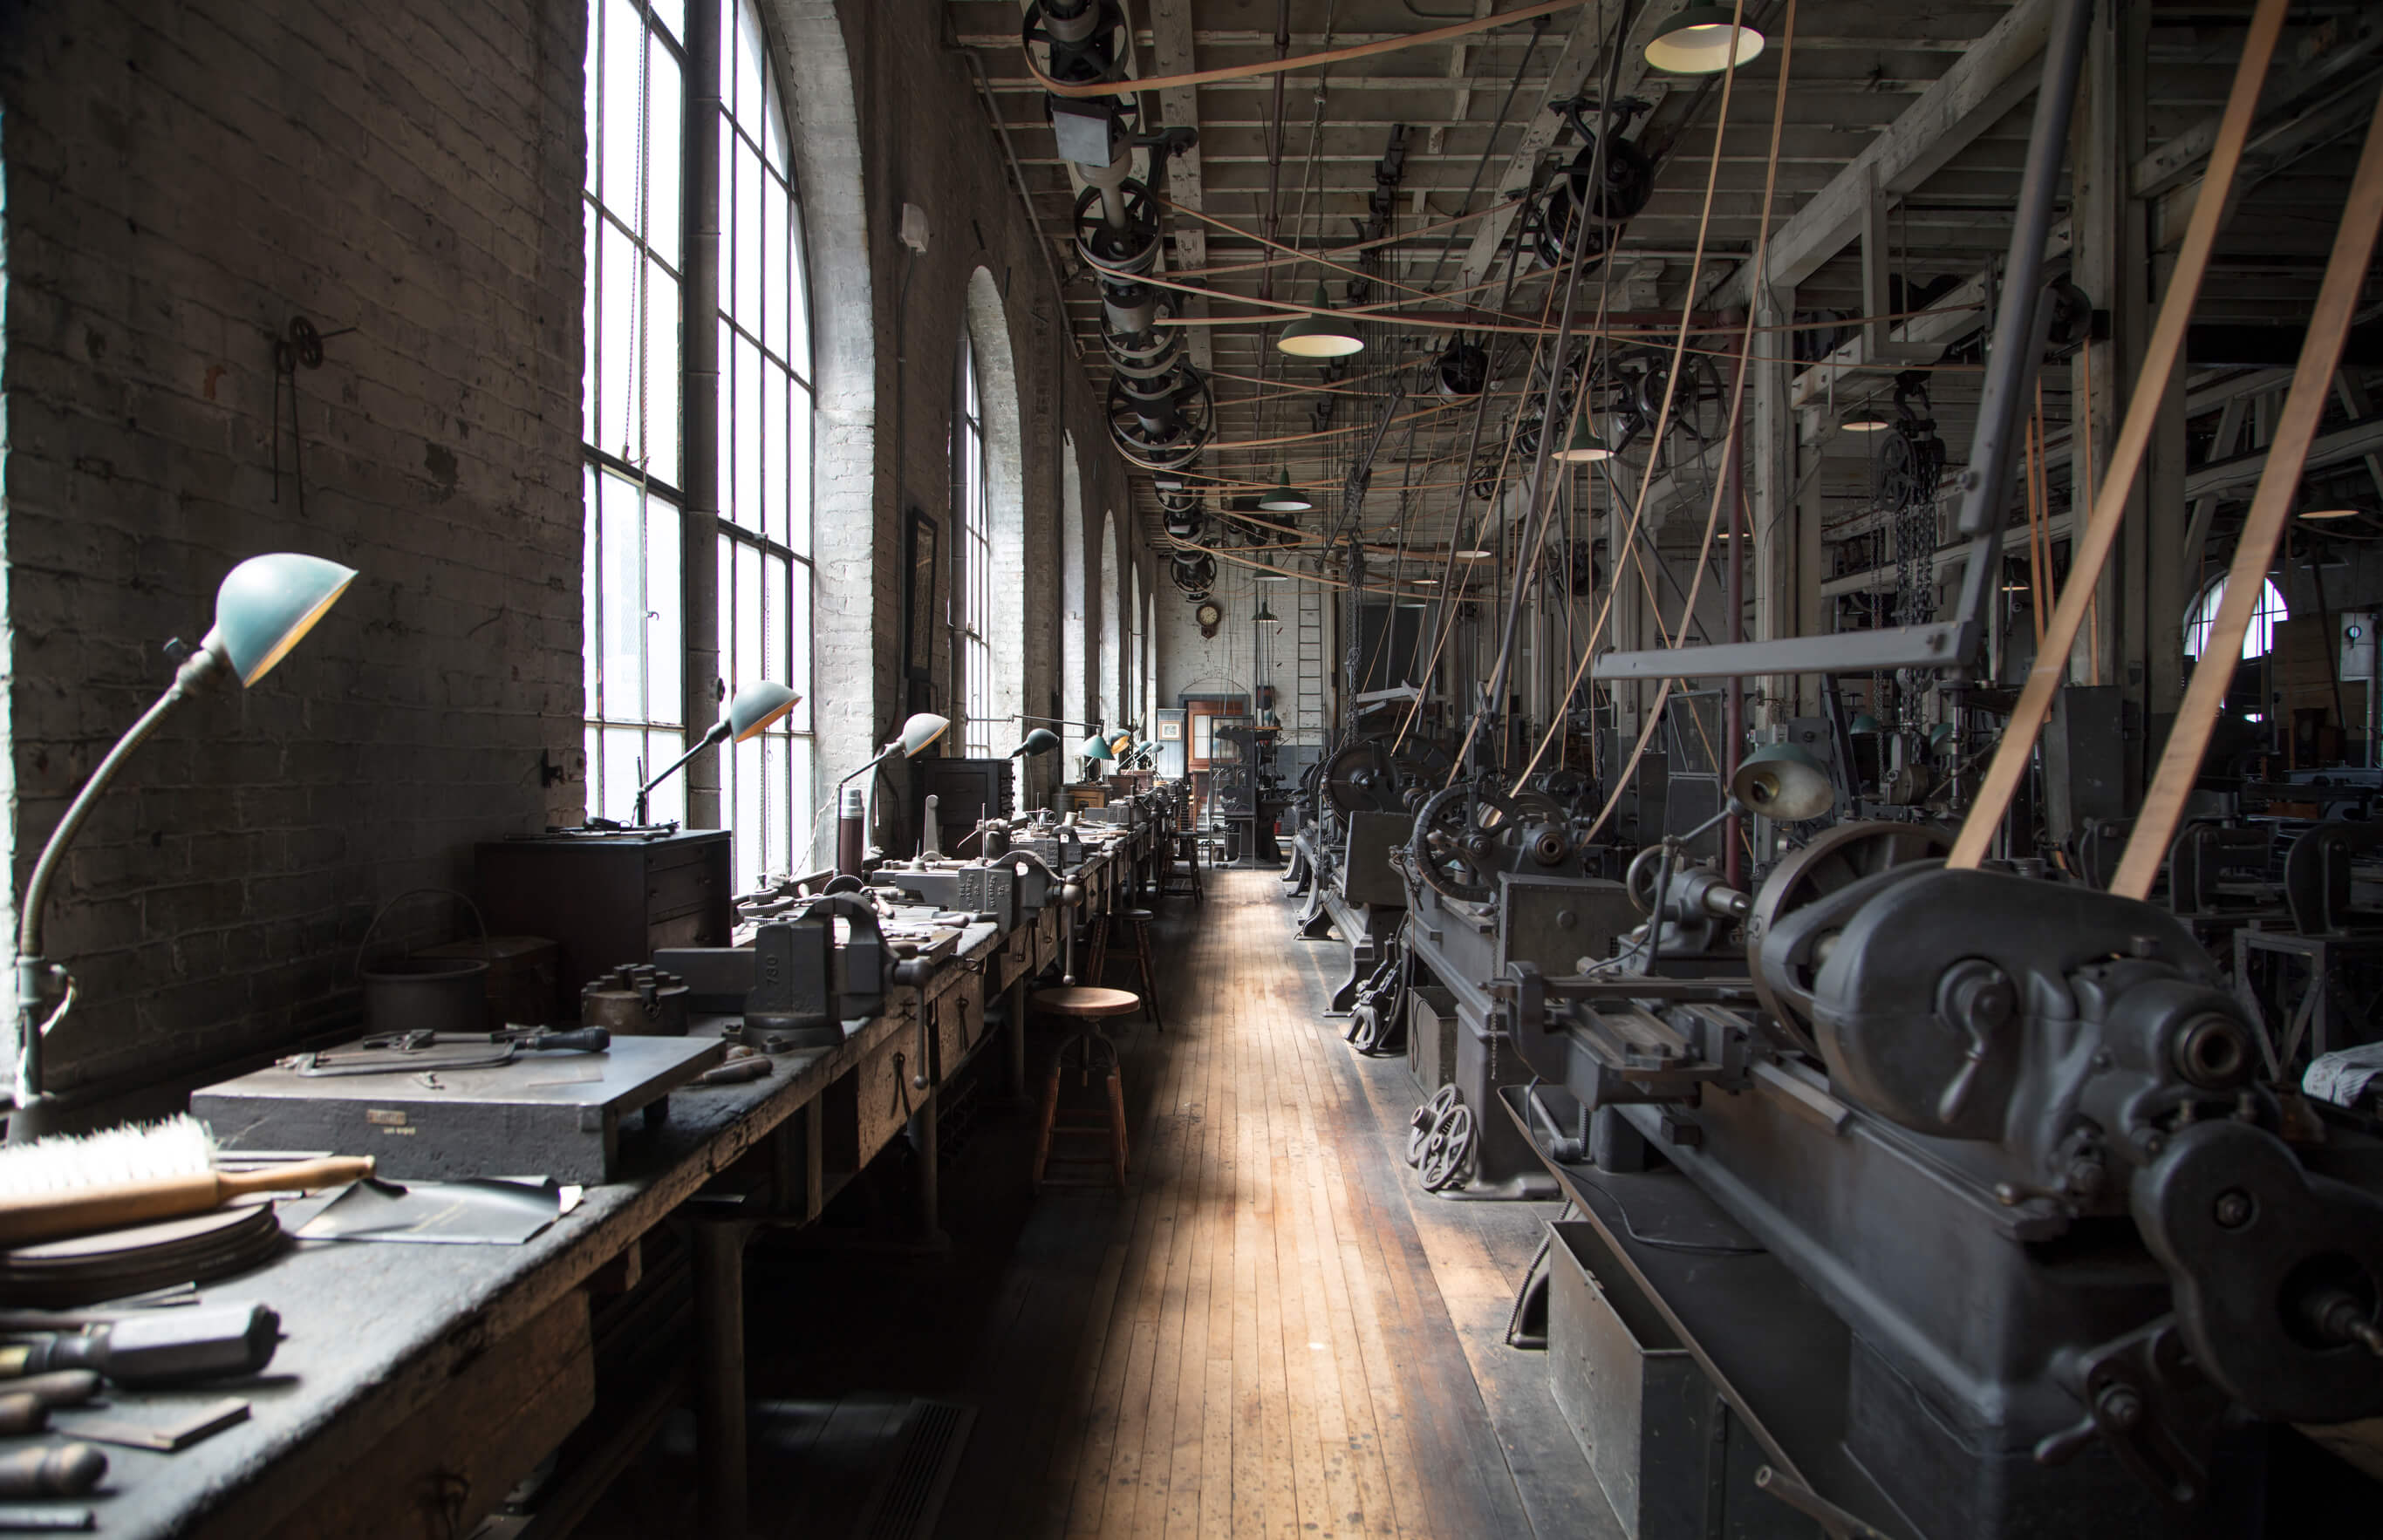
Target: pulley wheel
(1836,859)
(1426,1117)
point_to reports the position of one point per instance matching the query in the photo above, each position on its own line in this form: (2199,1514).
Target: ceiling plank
(1982,86)
(1171,48)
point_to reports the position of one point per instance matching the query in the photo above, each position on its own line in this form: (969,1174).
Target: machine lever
(1840,1524)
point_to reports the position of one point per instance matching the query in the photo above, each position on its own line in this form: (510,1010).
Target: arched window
(1112,700)
(728,353)
(972,578)
(2257,638)
(1073,607)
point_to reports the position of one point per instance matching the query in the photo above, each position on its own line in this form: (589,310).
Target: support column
(699,525)
(2108,260)
(1771,486)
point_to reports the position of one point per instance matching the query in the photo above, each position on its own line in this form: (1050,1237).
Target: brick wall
(183,179)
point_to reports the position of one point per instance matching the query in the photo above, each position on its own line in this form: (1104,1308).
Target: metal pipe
(1733,699)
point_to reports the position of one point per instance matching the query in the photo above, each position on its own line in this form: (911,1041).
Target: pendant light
(1325,335)
(1864,419)
(1285,497)
(1702,40)
(1585,447)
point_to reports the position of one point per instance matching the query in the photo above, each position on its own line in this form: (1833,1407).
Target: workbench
(415,1384)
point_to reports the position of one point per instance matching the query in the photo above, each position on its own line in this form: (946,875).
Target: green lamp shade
(1863,722)
(1041,741)
(1097,747)
(920,731)
(1940,734)
(1324,336)
(1585,446)
(1781,781)
(267,603)
(1284,499)
(757,706)
(1702,41)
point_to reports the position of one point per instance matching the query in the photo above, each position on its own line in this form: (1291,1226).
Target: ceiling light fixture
(1285,498)
(1326,335)
(1587,447)
(1703,40)
(2332,513)
(1473,556)
(1864,419)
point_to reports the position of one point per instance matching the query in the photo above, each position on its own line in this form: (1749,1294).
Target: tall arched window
(727,351)
(1073,612)
(972,578)
(2256,639)
(1112,700)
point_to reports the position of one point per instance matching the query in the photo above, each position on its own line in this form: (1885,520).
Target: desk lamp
(753,708)
(1041,741)
(264,607)
(852,810)
(1096,751)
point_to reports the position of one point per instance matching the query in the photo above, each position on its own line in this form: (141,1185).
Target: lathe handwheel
(1449,1149)
(1425,1118)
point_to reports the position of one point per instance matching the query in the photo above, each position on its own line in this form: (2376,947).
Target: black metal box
(605,899)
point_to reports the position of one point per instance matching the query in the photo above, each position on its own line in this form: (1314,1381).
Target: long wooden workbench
(414,1384)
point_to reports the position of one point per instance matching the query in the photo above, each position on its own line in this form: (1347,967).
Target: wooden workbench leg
(1018,1038)
(720,1373)
(923,1140)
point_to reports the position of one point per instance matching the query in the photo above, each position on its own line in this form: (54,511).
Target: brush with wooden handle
(67,1187)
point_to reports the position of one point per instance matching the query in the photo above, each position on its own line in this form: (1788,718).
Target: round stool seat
(1085,1000)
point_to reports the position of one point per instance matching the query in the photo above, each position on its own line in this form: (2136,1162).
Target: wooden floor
(1273,1332)
(1264,1336)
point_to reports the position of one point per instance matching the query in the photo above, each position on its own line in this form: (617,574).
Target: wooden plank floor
(1260,1336)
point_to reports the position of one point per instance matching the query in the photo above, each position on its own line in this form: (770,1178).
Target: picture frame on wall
(920,548)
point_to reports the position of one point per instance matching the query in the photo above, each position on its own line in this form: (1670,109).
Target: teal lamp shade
(1781,781)
(757,705)
(1097,747)
(920,731)
(1041,741)
(1863,722)
(267,603)
(1940,734)
(1321,336)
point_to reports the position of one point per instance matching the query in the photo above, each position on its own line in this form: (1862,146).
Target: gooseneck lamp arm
(262,607)
(718,734)
(35,973)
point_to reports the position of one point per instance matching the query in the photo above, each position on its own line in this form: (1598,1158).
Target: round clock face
(1208,614)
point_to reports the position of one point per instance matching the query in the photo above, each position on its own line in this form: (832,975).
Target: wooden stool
(1137,920)
(1089,1054)
(1181,872)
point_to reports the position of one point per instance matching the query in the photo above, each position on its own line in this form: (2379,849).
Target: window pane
(799,475)
(732,218)
(799,641)
(798,302)
(592,281)
(616,342)
(745,641)
(747,309)
(590,588)
(672,13)
(724,467)
(662,374)
(624,50)
(752,428)
(773,627)
(595,93)
(773,451)
(621,577)
(774,268)
(776,755)
(746,55)
(665,635)
(666,157)
(773,125)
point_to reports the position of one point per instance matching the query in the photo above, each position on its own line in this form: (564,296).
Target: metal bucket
(427,995)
